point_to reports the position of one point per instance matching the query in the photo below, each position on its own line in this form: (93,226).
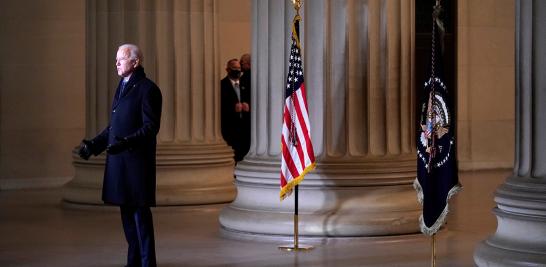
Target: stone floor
(36,230)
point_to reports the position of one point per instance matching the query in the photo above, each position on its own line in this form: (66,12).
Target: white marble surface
(35,230)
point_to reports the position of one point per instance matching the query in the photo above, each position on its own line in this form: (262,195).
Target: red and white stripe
(297,159)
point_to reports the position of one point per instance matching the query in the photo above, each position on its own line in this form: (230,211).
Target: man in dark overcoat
(130,143)
(246,70)
(235,109)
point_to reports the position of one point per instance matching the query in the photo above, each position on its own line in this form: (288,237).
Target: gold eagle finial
(297,4)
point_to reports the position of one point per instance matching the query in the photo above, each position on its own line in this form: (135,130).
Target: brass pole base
(433,257)
(299,247)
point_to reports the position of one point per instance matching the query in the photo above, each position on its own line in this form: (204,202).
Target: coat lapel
(137,75)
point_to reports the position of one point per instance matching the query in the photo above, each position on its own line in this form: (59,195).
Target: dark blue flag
(437,177)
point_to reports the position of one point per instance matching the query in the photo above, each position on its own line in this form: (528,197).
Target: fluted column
(521,200)
(179,42)
(358,58)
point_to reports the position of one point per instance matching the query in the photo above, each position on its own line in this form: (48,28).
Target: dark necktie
(123,85)
(237,90)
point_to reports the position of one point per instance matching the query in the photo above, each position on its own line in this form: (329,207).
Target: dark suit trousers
(139,232)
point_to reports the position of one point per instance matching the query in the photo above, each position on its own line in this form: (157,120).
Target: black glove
(86,149)
(119,146)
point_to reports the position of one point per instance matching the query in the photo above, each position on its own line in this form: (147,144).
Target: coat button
(114,111)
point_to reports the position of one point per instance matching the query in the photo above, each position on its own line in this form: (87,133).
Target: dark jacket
(235,125)
(246,79)
(130,176)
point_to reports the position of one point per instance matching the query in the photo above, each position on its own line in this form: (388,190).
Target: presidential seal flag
(437,177)
(297,156)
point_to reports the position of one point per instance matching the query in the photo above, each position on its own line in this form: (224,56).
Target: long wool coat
(235,126)
(130,176)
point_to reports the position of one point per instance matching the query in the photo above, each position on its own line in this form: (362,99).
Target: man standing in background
(245,68)
(235,110)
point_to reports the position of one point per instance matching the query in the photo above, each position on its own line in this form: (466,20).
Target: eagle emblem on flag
(435,124)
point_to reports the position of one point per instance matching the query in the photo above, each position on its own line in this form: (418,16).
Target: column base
(328,207)
(186,175)
(487,254)
(521,226)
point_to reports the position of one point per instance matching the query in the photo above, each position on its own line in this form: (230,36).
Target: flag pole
(433,256)
(297,4)
(296,232)
(436,7)
(296,246)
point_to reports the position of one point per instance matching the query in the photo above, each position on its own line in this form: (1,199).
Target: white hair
(246,57)
(134,51)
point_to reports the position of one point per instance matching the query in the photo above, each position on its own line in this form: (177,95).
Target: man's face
(234,70)
(234,65)
(124,64)
(245,64)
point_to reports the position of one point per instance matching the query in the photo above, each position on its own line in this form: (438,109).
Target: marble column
(180,46)
(358,58)
(520,239)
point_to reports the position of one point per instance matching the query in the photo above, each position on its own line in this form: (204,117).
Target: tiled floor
(35,230)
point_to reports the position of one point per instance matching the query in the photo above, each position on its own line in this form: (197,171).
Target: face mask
(234,74)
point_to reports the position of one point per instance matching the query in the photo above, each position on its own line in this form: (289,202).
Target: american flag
(298,157)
